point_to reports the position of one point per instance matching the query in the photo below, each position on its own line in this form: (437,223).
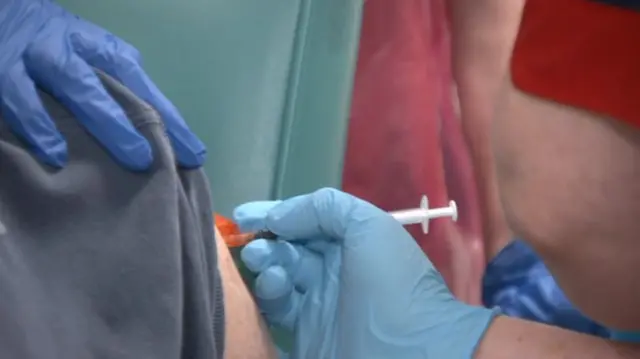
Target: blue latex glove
(45,46)
(350,282)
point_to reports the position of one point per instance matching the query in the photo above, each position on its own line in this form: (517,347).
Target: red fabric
(404,137)
(580,53)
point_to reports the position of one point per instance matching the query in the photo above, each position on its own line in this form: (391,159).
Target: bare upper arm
(246,335)
(570,184)
(568,178)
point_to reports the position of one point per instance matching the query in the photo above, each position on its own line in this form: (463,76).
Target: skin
(510,338)
(569,185)
(567,182)
(246,335)
(481,56)
(567,176)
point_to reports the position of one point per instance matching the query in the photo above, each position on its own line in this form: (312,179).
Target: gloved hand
(350,282)
(43,45)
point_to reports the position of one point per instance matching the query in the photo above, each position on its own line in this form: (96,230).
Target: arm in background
(509,338)
(246,335)
(571,237)
(483,34)
(567,149)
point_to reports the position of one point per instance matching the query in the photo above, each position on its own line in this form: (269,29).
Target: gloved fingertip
(138,156)
(255,255)
(56,155)
(194,156)
(277,297)
(282,354)
(273,283)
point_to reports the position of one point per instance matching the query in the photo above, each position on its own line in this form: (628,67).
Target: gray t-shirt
(99,262)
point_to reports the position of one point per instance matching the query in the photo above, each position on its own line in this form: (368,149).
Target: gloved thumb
(327,213)
(252,216)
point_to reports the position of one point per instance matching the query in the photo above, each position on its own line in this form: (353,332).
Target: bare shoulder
(246,335)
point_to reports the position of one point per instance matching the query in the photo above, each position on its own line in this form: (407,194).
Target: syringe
(422,215)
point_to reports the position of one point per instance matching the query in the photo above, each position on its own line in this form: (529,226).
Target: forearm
(509,338)
(246,335)
(483,33)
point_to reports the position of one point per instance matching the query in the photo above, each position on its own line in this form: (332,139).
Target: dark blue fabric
(629,337)
(631,4)
(519,283)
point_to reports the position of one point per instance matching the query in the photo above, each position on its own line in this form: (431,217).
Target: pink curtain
(405,138)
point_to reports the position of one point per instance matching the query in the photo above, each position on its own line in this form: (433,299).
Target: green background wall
(265,83)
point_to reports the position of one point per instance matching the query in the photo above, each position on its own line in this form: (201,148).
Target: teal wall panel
(265,83)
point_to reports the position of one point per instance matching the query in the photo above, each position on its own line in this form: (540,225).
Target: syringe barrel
(409,216)
(440,212)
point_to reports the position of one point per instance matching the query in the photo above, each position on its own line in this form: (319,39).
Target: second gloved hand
(349,282)
(45,46)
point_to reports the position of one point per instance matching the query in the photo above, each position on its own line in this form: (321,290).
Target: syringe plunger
(423,214)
